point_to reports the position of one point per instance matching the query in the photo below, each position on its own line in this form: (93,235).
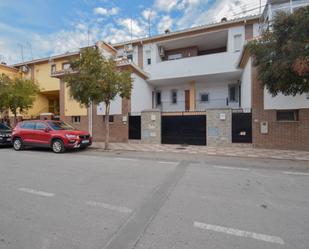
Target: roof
(189,30)
(4,66)
(55,57)
(149,39)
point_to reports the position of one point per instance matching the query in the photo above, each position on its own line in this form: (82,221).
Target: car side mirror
(47,129)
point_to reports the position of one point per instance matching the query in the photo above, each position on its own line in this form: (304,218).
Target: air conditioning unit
(25,69)
(161,51)
(128,48)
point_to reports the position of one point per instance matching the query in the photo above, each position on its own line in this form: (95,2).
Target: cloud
(165,23)
(166,5)
(131,25)
(106,12)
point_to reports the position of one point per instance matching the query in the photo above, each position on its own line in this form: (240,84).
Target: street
(99,200)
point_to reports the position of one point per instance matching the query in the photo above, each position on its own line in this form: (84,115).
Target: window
(75,119)
(287,115)
(130,57)
(174,56)
(66,66)
(307,96)
(174,96)
(233,93)
(53,68)
(158,98)
(237,43)
(204,97)
(60,126)
(110,118)
(148,57)
(28,125)
(40,126)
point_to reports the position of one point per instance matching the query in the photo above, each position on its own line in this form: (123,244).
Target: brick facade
(281,135)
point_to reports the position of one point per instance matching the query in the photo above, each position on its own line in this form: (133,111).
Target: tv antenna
(149,23)
(21,51)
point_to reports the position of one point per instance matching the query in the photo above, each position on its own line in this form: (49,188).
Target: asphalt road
(96,200)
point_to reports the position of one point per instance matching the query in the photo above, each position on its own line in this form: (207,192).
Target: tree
(282,54)
(21,94)
(95,79)
(4,83)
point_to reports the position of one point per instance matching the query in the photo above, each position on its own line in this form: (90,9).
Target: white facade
(281,102)
(141,95)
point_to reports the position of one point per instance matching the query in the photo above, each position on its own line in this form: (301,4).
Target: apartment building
(184,76)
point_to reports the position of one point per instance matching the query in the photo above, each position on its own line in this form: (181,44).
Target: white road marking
(166,162)
(109,206)
(296,173)
(231,168)
(124,159)
(36,192)
(239,233)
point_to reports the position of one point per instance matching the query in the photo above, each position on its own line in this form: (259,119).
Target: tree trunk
(107,105)
(15,119)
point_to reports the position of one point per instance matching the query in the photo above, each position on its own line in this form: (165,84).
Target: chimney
(224,19)
(167,31)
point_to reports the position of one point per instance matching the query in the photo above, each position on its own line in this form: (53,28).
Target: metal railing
(181,105)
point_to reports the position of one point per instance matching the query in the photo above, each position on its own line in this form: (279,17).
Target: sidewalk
(210,151)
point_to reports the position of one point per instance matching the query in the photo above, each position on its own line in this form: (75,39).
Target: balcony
(210,64)
(180,106)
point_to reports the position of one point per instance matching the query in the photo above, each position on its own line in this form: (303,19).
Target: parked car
(56,135)
(5,135)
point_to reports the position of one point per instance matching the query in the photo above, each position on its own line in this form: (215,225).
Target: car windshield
(59,125)
(4,127)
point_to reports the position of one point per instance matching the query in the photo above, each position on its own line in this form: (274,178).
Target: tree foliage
(95,79)
(17,94)
(282,54)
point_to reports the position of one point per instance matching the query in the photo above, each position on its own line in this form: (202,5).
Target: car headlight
(71,136)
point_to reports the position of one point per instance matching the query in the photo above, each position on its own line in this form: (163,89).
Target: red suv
(56,135)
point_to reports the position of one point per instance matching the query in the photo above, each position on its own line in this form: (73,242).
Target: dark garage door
(241,127)
(134,127)
(184,130)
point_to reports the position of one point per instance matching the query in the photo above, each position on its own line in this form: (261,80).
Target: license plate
(85,142)
(8,139)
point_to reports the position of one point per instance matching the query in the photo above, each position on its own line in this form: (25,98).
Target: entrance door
(187,100)
(134,127)
(241,127)
(184,129)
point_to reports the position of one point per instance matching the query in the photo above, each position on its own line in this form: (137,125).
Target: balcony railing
(180,106)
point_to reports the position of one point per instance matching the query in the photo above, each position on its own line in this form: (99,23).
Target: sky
(42,28)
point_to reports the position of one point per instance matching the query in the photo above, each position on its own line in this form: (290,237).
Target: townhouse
(195,86)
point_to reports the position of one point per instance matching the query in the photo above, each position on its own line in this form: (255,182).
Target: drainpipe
(90,116)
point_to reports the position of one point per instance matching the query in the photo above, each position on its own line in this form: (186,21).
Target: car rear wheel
(58,146)
(18,144)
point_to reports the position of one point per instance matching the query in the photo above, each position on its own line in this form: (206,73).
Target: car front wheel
(58,146)
(18,144)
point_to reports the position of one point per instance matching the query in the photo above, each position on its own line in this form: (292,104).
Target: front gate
(241,127)
(183,129)
(134,127)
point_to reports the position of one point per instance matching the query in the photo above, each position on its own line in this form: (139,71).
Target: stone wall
(151,126)
(219,127)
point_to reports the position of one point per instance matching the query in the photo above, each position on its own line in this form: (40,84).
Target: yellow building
(48,99)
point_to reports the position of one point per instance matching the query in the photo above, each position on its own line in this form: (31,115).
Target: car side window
(40,126)
(28,125)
